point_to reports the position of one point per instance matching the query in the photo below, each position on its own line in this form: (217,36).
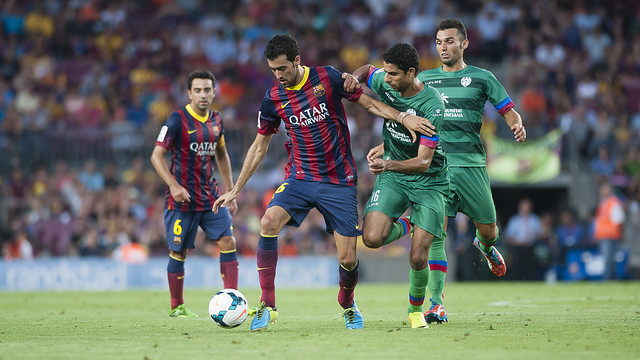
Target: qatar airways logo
(310,116)
(203,149)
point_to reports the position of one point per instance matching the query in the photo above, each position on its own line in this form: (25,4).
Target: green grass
(493,320)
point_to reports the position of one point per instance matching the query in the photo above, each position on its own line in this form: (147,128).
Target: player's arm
(514,121)
(412,122)
(224,166)
(179,193)
(254,157)
(417,165)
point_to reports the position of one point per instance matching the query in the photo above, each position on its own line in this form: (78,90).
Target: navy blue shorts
(337,203)
(181,227)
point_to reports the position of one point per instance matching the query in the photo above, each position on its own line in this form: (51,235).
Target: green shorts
(471,194)
(392,195)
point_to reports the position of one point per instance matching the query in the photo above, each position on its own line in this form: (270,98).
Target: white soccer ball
(228,308)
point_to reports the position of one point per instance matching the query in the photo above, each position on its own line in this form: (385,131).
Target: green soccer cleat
(264,316)
(417,320)
(181,311)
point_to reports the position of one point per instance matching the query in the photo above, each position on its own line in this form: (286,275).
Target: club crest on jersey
(177,240)
(216,131)
(465,81)
(318,90)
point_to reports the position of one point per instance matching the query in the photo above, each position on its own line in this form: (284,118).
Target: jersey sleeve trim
(504,106)
(431,142)
(372,71)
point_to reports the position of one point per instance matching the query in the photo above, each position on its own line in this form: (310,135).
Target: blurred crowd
(85,86)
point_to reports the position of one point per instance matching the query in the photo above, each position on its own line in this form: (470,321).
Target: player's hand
(519,132)
(179,194)
(226,199)
(233,207)
(375,152)
(418,124)
(350,82)
(377,166)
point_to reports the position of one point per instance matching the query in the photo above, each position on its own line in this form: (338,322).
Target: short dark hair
(402,55)
(283,44)
(201,74)
(453,24)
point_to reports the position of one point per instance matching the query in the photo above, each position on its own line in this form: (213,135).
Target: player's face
(396,78)
(201,94)
(449,46)
(284,70)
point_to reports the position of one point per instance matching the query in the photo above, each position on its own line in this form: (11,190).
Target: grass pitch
(493,320)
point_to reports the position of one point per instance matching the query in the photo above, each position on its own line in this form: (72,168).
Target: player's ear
(465,44)
(296,60)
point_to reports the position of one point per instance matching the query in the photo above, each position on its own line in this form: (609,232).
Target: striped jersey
(319,146)
(398,144)
(192,140)
(464,93)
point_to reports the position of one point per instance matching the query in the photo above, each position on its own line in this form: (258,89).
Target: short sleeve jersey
(319,146)
(464,93)
(192,140)
(398,144)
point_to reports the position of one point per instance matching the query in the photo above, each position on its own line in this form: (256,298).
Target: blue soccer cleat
(353,317)
(264,316)
(436,313)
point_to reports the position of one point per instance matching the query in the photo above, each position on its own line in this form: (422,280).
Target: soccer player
(321,172)
(409,174)
(465,89)
(195,136)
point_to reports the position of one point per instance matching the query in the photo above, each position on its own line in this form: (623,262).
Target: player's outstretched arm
(412,122)
(417,165)
(254,157)
(224,166)
(514,121)
(179,193)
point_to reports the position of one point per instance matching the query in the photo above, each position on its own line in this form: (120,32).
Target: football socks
(229,269)
(267,259)
(438,269)
(348,281)
(175,274)
(399,228)
(418,280)
(486,245)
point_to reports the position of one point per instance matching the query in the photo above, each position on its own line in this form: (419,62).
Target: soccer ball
(228,308)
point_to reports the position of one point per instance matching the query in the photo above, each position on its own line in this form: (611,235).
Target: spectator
(607,229)
(523,233)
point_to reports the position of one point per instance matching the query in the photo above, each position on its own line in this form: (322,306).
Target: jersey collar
(302,82)
(195,115)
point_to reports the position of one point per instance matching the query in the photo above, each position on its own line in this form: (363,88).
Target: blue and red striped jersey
(319,146)
(192,140)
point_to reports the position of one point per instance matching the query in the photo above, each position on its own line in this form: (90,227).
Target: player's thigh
(473,187)
(376,223)
(181,228)
(338,204)
(216,225)
(388,197)
(296,198)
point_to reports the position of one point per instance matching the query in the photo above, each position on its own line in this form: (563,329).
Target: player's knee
(269,224)
(418,260)
(227,243)
(372,239)
(349,263)
(488,233)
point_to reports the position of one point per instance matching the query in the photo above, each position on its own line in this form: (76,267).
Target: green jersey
(464,93)
(398,144)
